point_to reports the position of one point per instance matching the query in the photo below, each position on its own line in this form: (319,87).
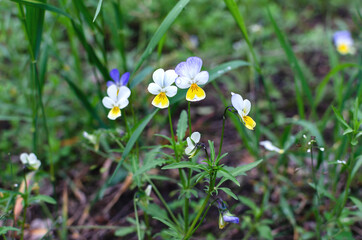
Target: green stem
(222,134)
(137,221)
(189,117)
(190,231)
(25,198)
(172,134)
(161,199)
(318,230)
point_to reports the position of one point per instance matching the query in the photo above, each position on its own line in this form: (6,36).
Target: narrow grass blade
(87,16)
(292,59)
(119,29)
(93,58)
(322,86)
(99,6)
(42,5)
(83,99)
(165,25)
(311,127)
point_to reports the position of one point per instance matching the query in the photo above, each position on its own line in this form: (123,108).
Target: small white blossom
(117,99)
(191,148)
(269,146)
(30,160)
(162,87)
(243,109)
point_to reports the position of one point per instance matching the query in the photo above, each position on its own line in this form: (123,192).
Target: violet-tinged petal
(342,36)
(182,70)
(114,73)
(231,219)
(110,83)
(194,65)
(125,78)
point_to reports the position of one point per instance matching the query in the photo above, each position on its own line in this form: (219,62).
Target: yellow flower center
(114,113)
(343,48)
(161,100)
(195,93)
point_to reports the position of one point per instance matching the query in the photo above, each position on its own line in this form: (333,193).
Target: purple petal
(114,73)
(181,69)
(194,65)
(110,83)
(342,36)
(125,78)
(231,219)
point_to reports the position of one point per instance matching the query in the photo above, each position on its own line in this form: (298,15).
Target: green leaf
(340,118)
(242,169)
(42,5)
(99,6)
(140,76)
(322,86)
(4,230)
(249,203)
(357,165)
(294,64)
(123,231)
(348,130)
(226,174)
(229,192)
(181,126)
(138,129)
(167,223)
(43,198)
(190,165)
(287,211)
(357,202)
(212,150)
(323,191)
(149,165)
(162,29)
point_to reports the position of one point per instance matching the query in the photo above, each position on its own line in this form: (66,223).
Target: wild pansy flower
(191,148)
(270,147)
(190,77)
(30,160)
(118,81)
(162,87)
(243,109)
(225,216)
(343,42)
(117,99)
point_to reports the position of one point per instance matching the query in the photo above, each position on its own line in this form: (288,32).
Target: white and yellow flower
(268,145)
(117,99)
(162,87)
(189,76)
(30,160)
(243,109)
(343,42)
(191,148)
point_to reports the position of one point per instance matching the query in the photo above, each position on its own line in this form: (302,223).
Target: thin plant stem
(222,132)
(318,229)
(25,198)
(137,221)
(161,199)
(189,116)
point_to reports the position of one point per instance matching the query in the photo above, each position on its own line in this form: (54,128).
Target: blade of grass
(292,59)
(99,6)
(120,41)
(165,25)
(44,6)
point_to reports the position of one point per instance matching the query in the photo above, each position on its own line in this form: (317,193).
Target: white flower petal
(247,106)
(196,137)
(32,157)
(35,165)
(108,102)
(171,91)
(122,103)
(201,78)
(124,92)
(158,77)
(190,143)
(237,101)
(189,150)
(170,77)
(183,82)
(154,89)
(194,65)
(112,92)
(114,113)
(24,158)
